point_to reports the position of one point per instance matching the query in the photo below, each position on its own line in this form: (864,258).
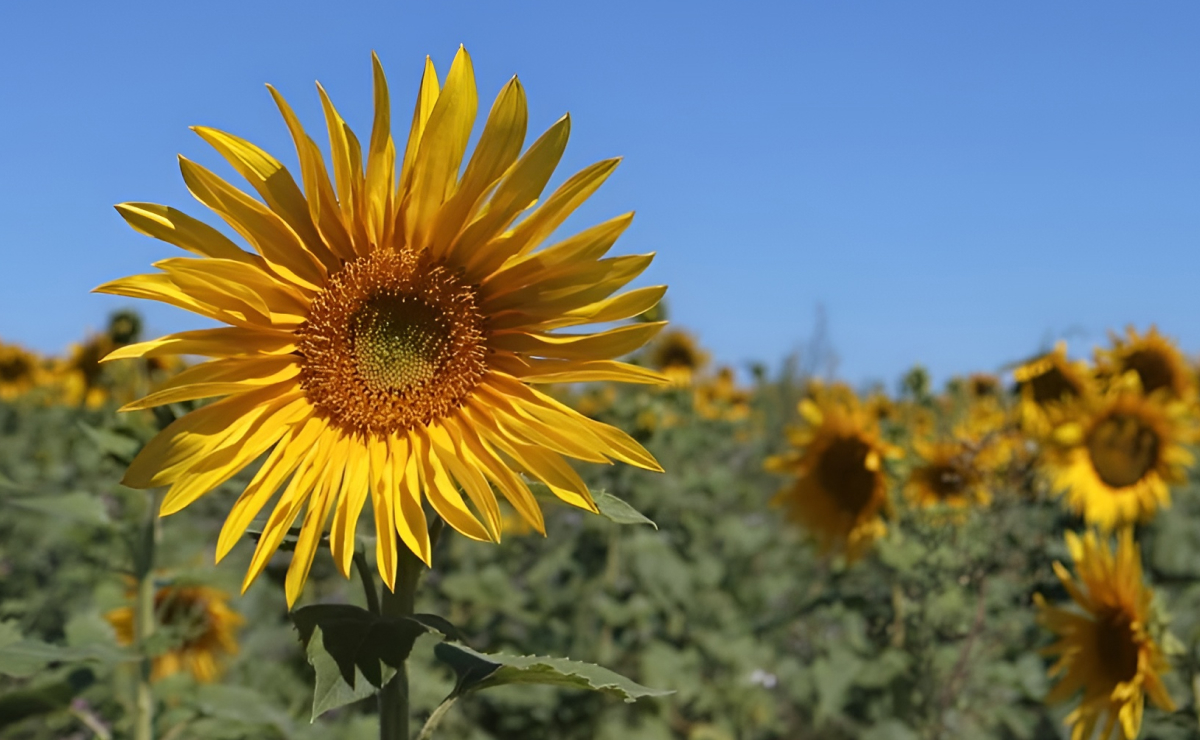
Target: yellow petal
(440,490)
(588,371)
(469,478)
(599,346)
(178,228)
(443,144)
(350,503)
(222,342)
(383,499)
(319,197)
(381,161)
(319,505)
(274,183)
(220,378)
(427,96)
(346,154)
(510,484)
(528,234)
(410,514)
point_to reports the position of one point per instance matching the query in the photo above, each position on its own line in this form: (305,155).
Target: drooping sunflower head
(20,371)
(1047,382)
(1116,455)
(954,473)
(385,337)
(1155,359)
(840,489)
(677,355)
(1105,649)
(202,625)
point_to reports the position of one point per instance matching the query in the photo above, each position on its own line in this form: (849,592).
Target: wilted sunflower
(1155,359)
(677,355)
(840,490)
(1107,651)
(1117,453)
(1046,382)
(955,473)
(20,371)
(385,333)
(203,623)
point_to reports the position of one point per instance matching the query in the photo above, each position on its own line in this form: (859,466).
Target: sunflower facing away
(1117,454)
(205,627)
(1104,647)
(1155,359)
(840,490)
(386,334)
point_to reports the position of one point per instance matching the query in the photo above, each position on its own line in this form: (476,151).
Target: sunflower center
(946,481)
(1052,385)
(1152,369)
(392,342)
(842,470)
(1123,449)
(15,368)
(1116,646)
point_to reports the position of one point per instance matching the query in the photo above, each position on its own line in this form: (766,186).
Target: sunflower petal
(176,227)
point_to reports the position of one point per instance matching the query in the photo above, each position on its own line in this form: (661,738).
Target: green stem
(393,697)
(143,621)
(368,581)
(435,719)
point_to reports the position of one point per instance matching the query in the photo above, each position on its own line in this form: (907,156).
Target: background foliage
(930,637)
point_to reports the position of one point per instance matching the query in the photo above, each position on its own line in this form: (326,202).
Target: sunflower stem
(393,697)
(143,619)
(368,581)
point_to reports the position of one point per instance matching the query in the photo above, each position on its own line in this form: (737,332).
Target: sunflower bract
(383,338)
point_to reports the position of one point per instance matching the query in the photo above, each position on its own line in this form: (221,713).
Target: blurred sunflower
(677,355)
(983,385)
(20,371)
(203,623)
(840,489)
(1117,453)
(384,337)
(721,398)
(79,376)
(954,473)
(1045,383)
(1155,359)
(1107,651)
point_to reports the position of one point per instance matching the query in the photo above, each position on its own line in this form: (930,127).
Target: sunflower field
(592,535)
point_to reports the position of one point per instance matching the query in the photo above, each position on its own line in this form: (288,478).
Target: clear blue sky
(955,182)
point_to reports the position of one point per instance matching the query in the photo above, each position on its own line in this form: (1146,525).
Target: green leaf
(477,671)
(360,642)
(18,705)
(619,511)
(118,445)
(80,506)
(24,658)
(332,690)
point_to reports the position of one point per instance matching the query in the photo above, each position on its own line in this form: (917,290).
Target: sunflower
(983,385)
(201,619)
(677,355)
(1155,359)
(80,376)
(20,371)
(1116,454)
(1107,651)
(721,398)
(1044,383)
(385,337)
(954,473)
(840,490)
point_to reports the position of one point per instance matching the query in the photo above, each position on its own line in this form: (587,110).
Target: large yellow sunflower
(1116,454)
(1046,382)
(1155,359)
(204,624)
(386,333)
(840,489)
(20,371)
(1107,651)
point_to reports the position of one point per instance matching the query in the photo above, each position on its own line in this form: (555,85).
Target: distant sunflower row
(78,378)
(1111,437)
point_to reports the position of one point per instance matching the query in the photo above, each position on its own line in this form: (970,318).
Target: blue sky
(955,183)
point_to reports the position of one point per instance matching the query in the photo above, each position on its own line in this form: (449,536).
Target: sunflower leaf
(362,644)
(619,511)
(332,690)
(117,445)
(477,671)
